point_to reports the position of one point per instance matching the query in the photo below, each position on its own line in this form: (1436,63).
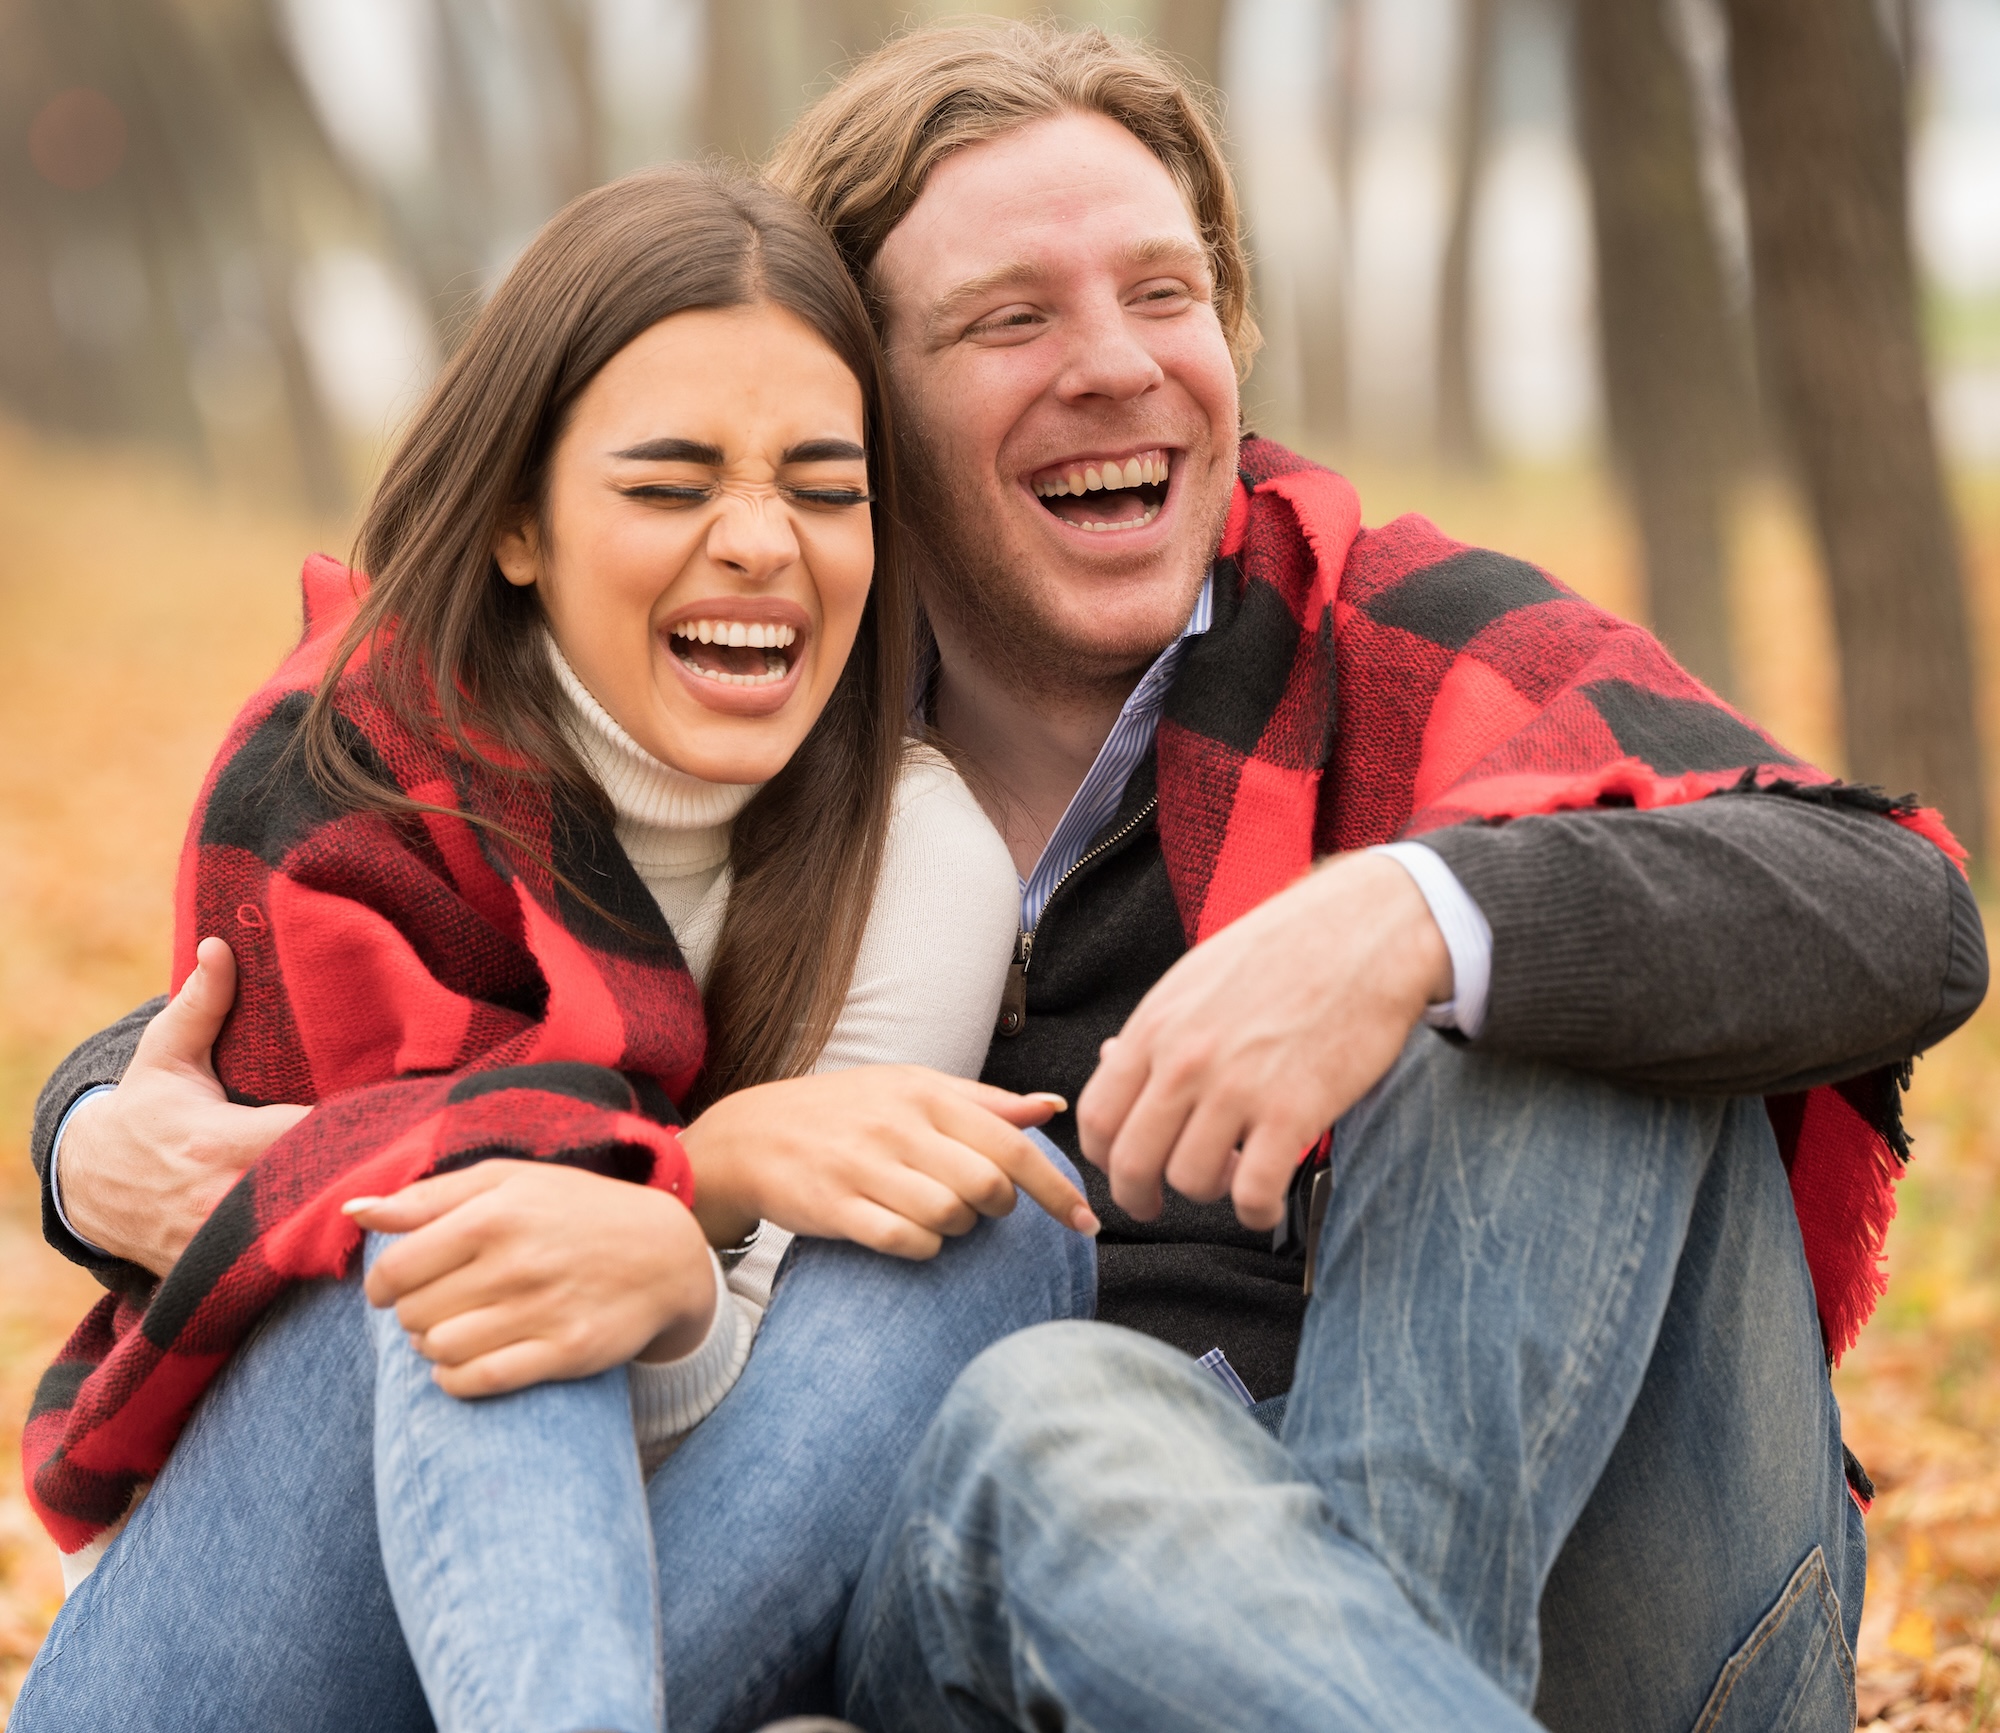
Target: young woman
(612,734)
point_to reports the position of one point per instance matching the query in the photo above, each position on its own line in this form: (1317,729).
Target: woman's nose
(752,535)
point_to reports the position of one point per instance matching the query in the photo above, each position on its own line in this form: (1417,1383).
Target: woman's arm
(891,1143)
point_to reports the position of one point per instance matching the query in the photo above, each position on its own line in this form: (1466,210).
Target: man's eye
(1018,319)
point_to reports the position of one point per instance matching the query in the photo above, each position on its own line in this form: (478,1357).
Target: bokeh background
(1695,302)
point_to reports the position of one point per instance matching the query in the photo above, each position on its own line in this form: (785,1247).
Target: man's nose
(1106,357)
(752,535)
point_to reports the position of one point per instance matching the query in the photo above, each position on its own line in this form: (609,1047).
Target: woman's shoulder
(940,837)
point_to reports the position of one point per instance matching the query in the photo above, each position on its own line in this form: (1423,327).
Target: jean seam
(1806,1577)
(1603,1337)
(1823,1586)
(461,1687)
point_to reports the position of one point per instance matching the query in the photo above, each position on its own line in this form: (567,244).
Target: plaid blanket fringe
(1365,685)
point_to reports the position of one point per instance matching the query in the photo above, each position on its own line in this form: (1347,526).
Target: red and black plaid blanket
(439,994)
(1393,682)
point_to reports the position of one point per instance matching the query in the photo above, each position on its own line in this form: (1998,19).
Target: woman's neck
(670,823)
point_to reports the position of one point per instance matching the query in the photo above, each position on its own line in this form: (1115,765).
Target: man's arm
(99,1062)
(1741,945)
(141,1167)
(1746,944)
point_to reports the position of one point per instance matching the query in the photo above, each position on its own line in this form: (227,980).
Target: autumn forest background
(1694,302)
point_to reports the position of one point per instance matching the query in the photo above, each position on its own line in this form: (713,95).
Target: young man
(1559,1435)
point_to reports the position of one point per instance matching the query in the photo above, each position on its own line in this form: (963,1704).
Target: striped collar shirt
(1096,800)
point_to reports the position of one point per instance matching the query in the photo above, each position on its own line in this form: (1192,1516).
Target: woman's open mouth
(1106,495)
(749,653)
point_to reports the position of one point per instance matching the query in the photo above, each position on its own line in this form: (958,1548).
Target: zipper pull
(1014,996)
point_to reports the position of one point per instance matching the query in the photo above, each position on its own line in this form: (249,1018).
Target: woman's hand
(893,1157)
(514,1273)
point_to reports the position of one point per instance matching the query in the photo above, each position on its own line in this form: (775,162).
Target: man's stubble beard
(965,582)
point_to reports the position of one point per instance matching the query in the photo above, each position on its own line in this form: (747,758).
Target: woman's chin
(715,744)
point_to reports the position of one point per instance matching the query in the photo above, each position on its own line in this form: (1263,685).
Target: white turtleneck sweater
(925,991)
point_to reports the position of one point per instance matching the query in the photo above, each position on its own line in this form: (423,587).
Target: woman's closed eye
(672,492)
(827,494)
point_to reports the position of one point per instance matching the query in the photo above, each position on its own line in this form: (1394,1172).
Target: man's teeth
(737,633)
(1130,523)
(1148,469)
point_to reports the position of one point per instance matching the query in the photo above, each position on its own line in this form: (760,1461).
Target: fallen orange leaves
(136,610)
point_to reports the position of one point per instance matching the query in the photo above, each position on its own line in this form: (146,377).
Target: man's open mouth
(736,652)
(1106,494)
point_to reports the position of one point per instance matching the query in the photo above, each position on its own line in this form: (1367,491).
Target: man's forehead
(1009,211)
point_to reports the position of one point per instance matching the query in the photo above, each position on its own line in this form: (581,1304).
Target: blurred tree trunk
(739,116)
(1458,433)
(199,225)
(1324,325)
(1191,31)
(1672,373)
(1820,107)
(574,72)
(854,28)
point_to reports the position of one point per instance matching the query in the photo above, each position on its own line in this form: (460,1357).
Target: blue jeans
(1561,1445)
(335,1544)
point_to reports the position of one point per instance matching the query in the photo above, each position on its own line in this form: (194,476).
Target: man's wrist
(55,1169)
(1468,937)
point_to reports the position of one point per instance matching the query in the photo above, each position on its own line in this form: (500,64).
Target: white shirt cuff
(55,1167)
(1467,936)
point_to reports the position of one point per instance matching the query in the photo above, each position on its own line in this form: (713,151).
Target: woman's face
(704,549)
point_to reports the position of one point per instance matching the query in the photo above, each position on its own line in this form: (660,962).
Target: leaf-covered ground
(136,611)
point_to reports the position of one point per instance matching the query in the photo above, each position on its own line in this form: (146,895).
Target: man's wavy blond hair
(859,157)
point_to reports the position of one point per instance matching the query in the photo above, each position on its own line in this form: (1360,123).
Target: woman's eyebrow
(823,451)
(673,451)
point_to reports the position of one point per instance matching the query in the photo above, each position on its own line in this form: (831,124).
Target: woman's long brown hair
(463,660)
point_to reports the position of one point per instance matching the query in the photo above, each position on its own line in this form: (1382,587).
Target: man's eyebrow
(823,451)
(671,450)
(1167,250)
(976,288)
(1153,250)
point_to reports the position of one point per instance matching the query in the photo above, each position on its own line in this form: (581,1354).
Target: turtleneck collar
(669,822)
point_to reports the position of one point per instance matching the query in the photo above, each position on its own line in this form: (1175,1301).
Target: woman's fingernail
(355,1205)
(1057,1104)
(1084,1222)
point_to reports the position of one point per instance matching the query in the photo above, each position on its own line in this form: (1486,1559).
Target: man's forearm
(102,1058)
(1740,945)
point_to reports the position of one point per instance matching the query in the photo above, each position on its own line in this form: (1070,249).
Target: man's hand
(893,1157)
(1256,1041)
(143,1166)
(519,1272)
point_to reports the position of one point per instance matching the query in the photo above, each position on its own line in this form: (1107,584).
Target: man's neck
(1026,753)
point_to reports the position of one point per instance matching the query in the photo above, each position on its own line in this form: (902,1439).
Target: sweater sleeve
(101,1059)
(1745,944)
(933,958)
(672,1397)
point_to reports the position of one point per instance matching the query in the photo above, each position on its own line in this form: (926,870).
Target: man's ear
(517,550)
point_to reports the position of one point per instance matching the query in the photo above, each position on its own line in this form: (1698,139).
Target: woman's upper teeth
(1148,469)
(756,634)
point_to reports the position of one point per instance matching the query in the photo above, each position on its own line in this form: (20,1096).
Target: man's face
(1067,404)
